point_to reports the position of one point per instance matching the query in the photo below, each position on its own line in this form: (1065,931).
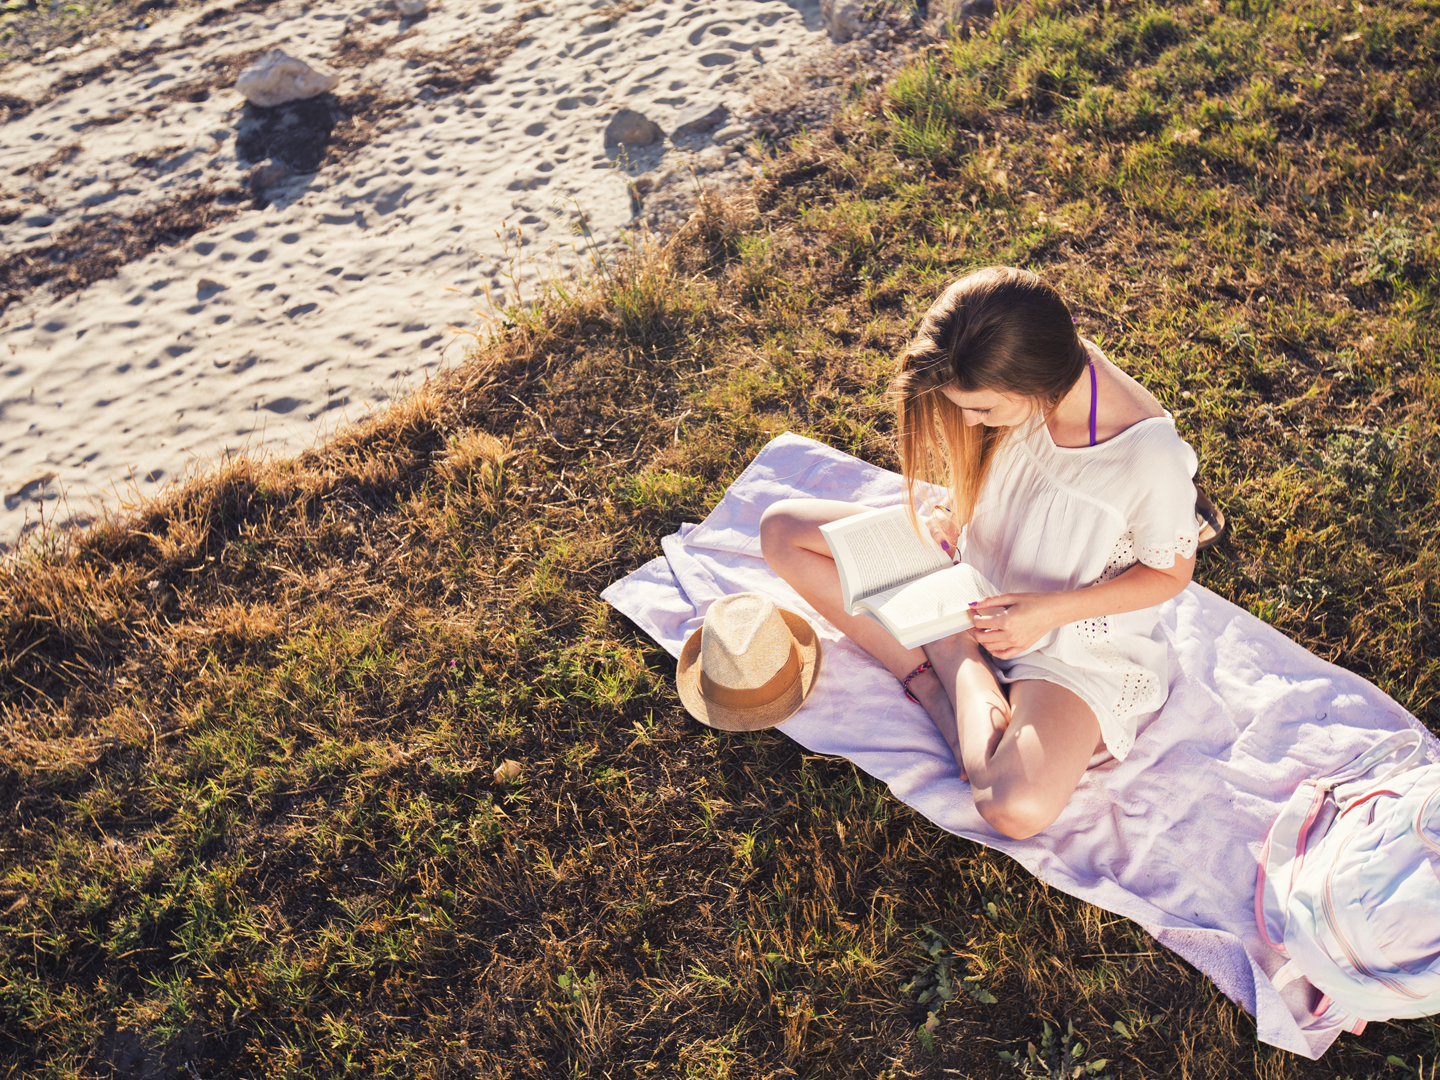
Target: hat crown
(744,642)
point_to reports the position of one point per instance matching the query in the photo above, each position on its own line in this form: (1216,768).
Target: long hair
(996,329)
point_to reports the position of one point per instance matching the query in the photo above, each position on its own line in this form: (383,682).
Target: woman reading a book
(1072,492)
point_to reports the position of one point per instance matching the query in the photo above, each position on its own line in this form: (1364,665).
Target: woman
(1070,489)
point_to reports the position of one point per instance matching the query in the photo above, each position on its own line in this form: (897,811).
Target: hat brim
(687,681)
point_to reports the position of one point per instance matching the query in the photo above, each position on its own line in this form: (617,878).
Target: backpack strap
(1345,784)
(1281,859)
(1422,816)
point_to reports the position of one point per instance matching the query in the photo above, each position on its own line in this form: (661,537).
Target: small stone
(698,119)
(278,77)
(410,7)
(508,770)
(268,174)
(652,181)
(731,133)
(631,129)
(845,19)
(709,159)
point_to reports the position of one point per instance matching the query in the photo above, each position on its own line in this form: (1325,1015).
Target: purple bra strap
(1093,402)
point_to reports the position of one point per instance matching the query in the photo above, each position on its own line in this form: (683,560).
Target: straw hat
(749,666)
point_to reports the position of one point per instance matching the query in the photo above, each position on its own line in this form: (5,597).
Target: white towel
(1169,837)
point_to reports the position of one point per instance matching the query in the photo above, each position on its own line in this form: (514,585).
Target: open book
(904,582)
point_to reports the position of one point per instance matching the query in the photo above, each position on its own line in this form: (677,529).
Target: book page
(945,596)
(882,551)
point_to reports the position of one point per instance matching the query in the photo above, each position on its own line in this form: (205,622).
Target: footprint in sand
(31,489)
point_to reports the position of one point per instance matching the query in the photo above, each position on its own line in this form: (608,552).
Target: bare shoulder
(1127,402)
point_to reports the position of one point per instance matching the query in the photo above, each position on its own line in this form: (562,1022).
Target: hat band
(730,697)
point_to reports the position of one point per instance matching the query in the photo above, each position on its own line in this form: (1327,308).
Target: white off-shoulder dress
(1052,518)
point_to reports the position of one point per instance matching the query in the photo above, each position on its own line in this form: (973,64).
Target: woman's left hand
(941,523)
(1008,624)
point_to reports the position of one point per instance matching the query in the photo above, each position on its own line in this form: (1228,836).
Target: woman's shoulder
(1153,445)
(1122,401)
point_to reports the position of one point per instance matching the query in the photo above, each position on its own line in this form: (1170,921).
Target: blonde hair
(997,329)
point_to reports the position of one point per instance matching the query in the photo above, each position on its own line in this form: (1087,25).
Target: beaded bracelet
(905,683)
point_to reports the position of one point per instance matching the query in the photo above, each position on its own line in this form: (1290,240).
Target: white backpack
(1349,887)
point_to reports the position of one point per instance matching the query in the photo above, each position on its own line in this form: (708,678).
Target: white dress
(1054,517)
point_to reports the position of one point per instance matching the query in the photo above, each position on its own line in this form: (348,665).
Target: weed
(934,982)
(1418,1069)
(1135,1023)
(1238,338)
(1061,1059)
(1385,252)
(930,107)
(583,1012)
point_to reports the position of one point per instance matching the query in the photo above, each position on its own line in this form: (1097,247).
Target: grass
(249,736)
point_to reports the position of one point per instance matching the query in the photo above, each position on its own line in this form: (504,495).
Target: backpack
(1349,887)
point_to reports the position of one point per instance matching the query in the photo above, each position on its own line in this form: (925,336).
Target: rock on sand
(845,19)
(631,129)
(278,77)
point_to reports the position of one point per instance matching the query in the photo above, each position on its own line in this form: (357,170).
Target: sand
(165,306)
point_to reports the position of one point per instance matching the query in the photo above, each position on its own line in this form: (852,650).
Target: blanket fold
(1170,837)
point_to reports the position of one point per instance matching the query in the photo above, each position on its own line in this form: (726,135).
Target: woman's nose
(972,418)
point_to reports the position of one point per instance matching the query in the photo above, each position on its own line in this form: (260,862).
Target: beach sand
(188,276)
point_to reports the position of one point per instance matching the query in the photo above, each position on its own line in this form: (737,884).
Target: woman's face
(993,408)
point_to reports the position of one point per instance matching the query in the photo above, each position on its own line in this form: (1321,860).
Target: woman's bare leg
(1024,755)
(791,543)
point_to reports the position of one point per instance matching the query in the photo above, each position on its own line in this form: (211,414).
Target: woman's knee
(794,524)
(778,528)
(1018,815)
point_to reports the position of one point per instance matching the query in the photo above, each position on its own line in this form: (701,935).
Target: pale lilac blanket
(1169,837)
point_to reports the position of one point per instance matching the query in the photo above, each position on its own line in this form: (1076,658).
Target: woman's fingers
(940,534)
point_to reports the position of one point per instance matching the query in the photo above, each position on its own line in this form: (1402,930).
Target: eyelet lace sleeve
(1162,556)
(1162,520)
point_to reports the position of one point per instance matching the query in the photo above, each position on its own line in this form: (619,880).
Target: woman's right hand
(941,523)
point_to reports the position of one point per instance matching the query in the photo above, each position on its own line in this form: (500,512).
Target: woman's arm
(1010,623)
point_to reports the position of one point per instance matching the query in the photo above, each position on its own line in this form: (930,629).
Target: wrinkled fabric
(1170,837)
(1065,517)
